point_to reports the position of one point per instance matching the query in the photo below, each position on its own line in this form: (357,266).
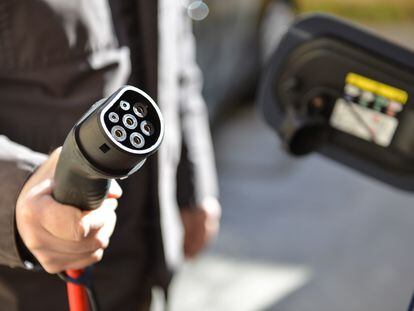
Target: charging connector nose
(114,137)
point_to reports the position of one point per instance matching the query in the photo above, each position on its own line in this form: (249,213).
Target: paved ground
(299,235)
(352,235)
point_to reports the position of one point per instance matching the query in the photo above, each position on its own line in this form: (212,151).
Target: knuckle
(92,245)
(97,256)
(78,230)
(100,243)
(95,245)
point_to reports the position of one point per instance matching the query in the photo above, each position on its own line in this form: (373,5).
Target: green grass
(391,11)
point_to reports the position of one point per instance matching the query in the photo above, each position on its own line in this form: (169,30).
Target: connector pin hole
(147,128)
(130,121)
(119,133)
(113,117)
(140,109)
(137,140)
(124,105)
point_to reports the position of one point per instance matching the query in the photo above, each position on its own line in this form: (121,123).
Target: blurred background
(297,234)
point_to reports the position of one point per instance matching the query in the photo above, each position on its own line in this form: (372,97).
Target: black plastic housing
(91,154)
(308,70)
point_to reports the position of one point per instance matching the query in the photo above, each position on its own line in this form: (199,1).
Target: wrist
(27,258)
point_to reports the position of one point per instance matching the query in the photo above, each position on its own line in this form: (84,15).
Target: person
(58,58)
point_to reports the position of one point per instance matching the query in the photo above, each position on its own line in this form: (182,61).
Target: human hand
(62,237)
(201,224)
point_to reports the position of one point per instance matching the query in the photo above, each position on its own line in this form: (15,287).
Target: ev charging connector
(112,140)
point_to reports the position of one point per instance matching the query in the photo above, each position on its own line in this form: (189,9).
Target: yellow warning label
(378,88)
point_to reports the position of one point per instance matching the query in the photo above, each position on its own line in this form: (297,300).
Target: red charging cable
(77,295)
(81,296)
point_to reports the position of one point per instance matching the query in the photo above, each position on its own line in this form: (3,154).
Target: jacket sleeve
(16,165)
(197,178)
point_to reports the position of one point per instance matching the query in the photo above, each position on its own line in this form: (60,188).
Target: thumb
(115,190)
(98,218)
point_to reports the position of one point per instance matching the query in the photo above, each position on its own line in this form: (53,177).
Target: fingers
(212,226)
(201,225)
(44,241)
(71,224)
(62,236)
(82,263)
(56,254)
(54,262)
(212,209)
(115,190)
(100,217)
